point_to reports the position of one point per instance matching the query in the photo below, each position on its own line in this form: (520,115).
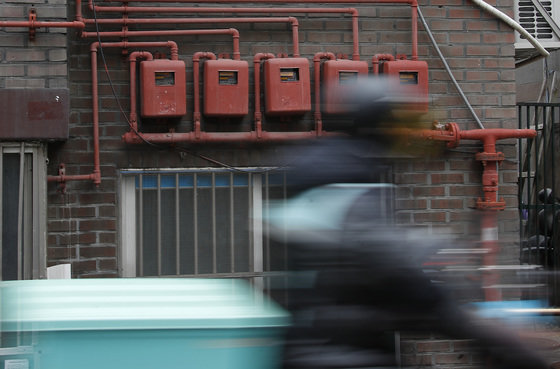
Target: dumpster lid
(135,303)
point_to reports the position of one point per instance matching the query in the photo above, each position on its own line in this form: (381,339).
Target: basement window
(198,223)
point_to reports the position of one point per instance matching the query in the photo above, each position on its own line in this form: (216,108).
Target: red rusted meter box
(413,76)
(338,78)
(287,86)
(164,89)
(226,88)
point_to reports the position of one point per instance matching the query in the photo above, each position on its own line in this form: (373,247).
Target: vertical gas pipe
(96,175)
(491,204)
(257,70)
(133,118)
(317,71)
(414,25)
(196,63)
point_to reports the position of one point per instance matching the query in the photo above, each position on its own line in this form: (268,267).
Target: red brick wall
(439,191)
(38,63)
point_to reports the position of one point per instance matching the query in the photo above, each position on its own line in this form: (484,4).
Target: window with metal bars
(199,222)
(23,224)
(23,216)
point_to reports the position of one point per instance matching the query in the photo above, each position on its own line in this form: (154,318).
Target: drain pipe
(513,24)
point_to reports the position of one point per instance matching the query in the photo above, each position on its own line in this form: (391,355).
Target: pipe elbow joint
(260,56)
(323,55)
(234,32)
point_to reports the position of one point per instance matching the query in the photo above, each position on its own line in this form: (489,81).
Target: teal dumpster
(144,323)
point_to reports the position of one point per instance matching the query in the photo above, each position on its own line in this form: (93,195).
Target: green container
(144,323)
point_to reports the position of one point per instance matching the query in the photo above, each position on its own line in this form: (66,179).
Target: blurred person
(358,277)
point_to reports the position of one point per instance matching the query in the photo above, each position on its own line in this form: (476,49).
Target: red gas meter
(226,88)
(413,75)
(287,86)
(338,78)
(164,88)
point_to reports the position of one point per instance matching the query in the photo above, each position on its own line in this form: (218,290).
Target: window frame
(32,244)
(258,185)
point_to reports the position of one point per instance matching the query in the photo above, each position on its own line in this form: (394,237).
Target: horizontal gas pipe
(412,3)
(33,24)
(183,32)
(196,64)
(317,70)
(217,137)
(96,175)
(154,9)
(152,21)
(42,24)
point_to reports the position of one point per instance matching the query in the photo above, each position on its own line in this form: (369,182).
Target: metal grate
(532,21)
(539,193)
(201,223)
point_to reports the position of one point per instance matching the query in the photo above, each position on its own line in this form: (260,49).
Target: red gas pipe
(95,176)
(317,70)
(220,137)
(375,61)
(133,118)
(153,9)
(196,64)
(257,81)
(490,158)
(151,21)
(490,204)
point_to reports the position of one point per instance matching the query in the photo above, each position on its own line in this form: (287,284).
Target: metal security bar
(203,222)
(23,211)
(539,194)
(23,227)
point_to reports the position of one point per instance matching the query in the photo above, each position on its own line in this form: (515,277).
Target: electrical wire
(448,69)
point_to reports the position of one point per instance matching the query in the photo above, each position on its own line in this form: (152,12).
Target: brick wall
(38,63)
(438,191)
